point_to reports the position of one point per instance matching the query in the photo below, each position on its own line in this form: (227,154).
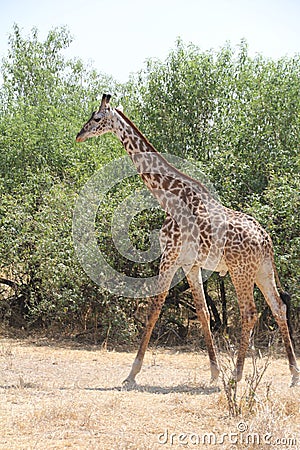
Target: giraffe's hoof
(213,380)
(237,374)
(295,380)
(295,375)
(129,383)
(214,374)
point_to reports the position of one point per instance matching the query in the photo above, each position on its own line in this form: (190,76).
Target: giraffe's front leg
(155,308)
(156,303)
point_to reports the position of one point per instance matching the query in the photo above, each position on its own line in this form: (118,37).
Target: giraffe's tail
(286,298)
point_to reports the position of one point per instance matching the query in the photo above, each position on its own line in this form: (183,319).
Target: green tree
(44,98)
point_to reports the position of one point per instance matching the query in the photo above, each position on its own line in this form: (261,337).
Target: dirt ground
(60,396)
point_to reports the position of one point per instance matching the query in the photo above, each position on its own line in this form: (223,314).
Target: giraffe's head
(99,123)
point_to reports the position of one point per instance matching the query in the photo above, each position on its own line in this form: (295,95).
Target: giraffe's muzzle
(80,137)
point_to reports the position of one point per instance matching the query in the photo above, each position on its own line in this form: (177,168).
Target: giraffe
(199,233)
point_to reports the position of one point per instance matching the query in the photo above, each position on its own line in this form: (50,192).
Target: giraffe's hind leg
(195,282)
(248,317)
(244,286)
(265,280)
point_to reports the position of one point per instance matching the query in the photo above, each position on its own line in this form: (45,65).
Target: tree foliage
(237,116)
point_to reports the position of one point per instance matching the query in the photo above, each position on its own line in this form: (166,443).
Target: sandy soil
(60,396)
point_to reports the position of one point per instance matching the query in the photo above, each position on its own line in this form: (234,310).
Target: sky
(118,36)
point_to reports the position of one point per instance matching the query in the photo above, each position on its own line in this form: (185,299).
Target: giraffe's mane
(153,149)
(127,120)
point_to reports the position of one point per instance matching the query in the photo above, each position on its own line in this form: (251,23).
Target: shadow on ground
(181,389)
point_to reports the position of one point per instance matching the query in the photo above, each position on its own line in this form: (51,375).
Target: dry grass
(60,397)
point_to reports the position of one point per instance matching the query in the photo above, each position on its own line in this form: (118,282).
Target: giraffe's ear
(120,108)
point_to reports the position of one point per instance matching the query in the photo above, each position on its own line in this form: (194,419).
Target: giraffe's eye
(97,119)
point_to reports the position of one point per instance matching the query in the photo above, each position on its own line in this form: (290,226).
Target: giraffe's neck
(142,153)
(158,175)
